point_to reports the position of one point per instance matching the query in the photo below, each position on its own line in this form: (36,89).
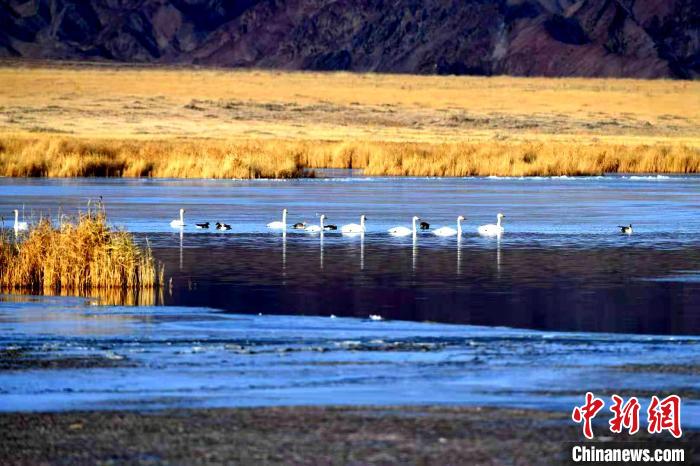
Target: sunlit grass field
(72,120)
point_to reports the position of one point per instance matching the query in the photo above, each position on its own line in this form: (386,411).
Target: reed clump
(65,156)
(76,257)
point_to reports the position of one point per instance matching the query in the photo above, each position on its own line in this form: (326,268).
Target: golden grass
(128,121)
(76,258)
(65,156)
(60,156)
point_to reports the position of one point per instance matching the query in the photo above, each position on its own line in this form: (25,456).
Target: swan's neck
(414,226)
(321,223)
(284,217)
(362,223)
(459,226)
(182,216)
(498,221)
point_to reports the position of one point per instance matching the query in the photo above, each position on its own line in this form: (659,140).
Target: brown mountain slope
(627,38)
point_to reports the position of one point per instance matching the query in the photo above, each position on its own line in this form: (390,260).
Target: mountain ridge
(588,38)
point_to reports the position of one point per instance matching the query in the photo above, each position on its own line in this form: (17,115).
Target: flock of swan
(492,229)
(360,228)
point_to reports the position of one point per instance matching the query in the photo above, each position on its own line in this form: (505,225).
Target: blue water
(197,357)
(533,319)
(661,208)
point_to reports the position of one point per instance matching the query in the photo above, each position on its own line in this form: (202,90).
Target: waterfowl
(403,231)
(424,226)
(626,229)
(299,225)
(491,229)
(447,231)
(354,227)
(19,226)
(202,225)
(179,223)
(375,317)
(279,225)
(222,226)
(316,228)
(330,227)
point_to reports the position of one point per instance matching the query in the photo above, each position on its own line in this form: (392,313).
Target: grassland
(109,121)
(76,257)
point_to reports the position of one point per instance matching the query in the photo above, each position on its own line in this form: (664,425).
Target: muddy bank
(304,435)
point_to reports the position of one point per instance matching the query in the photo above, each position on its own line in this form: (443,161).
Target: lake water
(537,317)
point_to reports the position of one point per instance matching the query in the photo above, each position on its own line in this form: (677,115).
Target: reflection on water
(497,282)
(99,296)
(561,263)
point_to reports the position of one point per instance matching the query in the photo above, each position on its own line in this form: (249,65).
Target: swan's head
(284,211)
(500,215)
(16,212)
(460,218)
(416,218)
(182,211)
(363,217)
(323,217)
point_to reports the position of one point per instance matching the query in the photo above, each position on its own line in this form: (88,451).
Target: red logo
(661,415)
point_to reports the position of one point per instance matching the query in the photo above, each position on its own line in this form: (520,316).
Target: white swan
(403,231)
(354,227)
(19,226)
(279,225)
(179,223)
(491,229)
(448,231)
(316,228)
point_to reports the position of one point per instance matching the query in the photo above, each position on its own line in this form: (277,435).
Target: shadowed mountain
(624,38)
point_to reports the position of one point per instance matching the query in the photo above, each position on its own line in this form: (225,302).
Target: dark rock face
(626,38)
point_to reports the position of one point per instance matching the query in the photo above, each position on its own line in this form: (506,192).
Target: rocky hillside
(630,38)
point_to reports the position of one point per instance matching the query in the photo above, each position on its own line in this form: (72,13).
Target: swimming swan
(403,231)
(623,229)
(491,229)
(447,231)
(179,223)
(316,228)
(354,227)
(279,225)
(19,226)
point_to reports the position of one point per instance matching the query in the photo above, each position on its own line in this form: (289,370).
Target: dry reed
(65,156)
(76,258)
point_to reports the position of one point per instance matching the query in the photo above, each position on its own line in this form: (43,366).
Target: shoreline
(299,435)
(302,435)
(66,156)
